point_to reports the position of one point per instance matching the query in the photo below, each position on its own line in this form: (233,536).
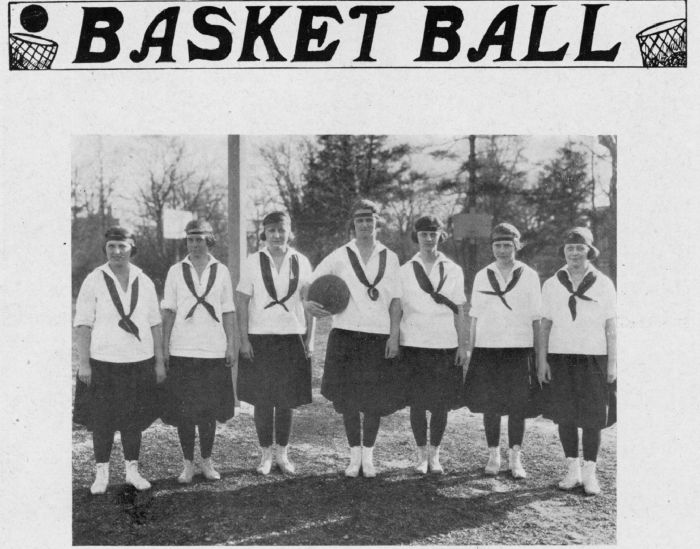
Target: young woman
(505,324)
(578,356)
(276,338)
(201,347)
(433,339)
(120,347)
(360,375)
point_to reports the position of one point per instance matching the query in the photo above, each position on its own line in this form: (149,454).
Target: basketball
(331,292)
(33,18)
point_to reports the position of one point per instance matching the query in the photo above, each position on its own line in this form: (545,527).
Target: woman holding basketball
(201,347)
(276,338)
(360,376)
(433,339)
(119,342)
(579,354)
(505,324)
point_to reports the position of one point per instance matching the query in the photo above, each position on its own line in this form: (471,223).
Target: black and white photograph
(344,340)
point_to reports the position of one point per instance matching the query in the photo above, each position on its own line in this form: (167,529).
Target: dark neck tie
(427,287)
(201,300)
(585,285)
(266,270)
(125,322)
(497,287)
(372,291)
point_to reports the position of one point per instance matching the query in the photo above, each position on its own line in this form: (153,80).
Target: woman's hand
(392,347)
(246,349)
(85,373)
(544,373)
(232,355)
(316,309)
(160,372)
(612,370)
(463,358)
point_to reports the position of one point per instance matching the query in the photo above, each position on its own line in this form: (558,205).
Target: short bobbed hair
(580,235)
(505,232)
(201,227)
(120,234)
(428,223)
(276,217)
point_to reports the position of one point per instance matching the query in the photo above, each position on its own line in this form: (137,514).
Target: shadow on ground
(309,510)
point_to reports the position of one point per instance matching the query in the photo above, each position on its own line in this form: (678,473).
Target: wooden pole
(471,269)
(236,224)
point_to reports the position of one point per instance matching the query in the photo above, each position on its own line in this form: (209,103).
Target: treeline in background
(542,184)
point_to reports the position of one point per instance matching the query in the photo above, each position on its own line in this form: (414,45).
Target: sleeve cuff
(77,322)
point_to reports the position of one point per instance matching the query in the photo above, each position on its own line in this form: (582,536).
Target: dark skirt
(279,374)
(357,377)
(579,392)
(502,381)
(120,397)
(434,382)
(198,390)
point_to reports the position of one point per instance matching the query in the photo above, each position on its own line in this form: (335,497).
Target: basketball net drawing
(29,51)
(664,44)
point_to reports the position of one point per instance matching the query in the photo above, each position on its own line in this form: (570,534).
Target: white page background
(655,114)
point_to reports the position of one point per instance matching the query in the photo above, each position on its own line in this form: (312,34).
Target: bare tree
(487,176)
(91,211)
(92,196)
(171,182)
(286,163)
(409,197)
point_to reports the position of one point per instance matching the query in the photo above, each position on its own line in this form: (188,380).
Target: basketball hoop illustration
(30,51)
(664,44)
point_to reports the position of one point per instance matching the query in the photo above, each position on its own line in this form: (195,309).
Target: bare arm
(232,340)
(395,313)
(536,329)
(461,327)
(543,372)
(469,323)
(157,332)
(463,351)
(84,336)
(472,334)
(168,321)
(309,337)
(611,338)
(242,301)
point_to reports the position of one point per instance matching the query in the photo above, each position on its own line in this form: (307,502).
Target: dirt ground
(319,506)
